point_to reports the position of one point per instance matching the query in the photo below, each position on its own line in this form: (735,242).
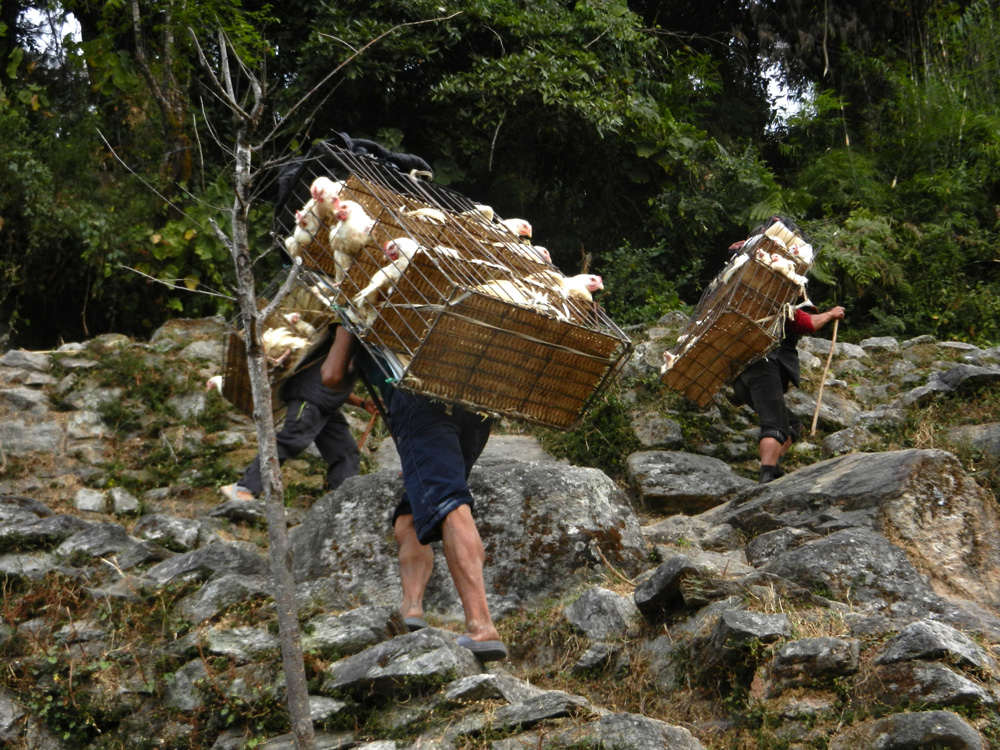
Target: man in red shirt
(762,386)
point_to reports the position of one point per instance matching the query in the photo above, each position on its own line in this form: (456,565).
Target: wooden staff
(368,430)
(822,380)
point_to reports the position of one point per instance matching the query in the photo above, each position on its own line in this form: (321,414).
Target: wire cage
(740,316)
(469,311)
(290,335)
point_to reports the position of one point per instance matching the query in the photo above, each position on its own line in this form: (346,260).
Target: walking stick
(368,431)
(822,380)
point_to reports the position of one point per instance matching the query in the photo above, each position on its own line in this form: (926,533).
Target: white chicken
(803,252)
(307,225)
(534,253)
(350,235)
(299,324)
(734,265)
(279,343)
(428,215)
(326,296)
(448,252)
(518,227)
(214,383)
(399,252)
(583,285)
(480,213)
(516,291)
(324,191)
(786,267)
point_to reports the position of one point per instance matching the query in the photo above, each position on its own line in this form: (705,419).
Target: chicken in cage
(459,303)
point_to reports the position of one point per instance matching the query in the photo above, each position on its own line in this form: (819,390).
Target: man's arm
(821,319)
(337,367)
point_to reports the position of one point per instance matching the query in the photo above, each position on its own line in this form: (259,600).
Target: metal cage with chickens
(293,332)
(740,316)
(458,304)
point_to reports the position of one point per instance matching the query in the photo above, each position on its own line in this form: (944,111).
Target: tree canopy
(639,139)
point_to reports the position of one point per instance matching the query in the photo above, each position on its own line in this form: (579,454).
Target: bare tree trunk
(296,688)
(274,491)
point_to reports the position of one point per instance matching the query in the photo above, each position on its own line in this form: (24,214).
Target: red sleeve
(802,323)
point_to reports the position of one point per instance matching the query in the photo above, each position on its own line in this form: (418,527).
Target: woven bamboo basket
(313,310)
(741,315)
(477,318)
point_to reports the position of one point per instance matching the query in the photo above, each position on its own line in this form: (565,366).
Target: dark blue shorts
(437,446)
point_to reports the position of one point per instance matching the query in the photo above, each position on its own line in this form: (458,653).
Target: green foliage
(127,368)
(187,255)
(603,440)
(643,286)
(626,134)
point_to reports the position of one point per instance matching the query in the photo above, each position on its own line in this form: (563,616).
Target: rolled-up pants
(437,445)
(762,387)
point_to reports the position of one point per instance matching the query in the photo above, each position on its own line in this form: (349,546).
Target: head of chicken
(591,282)
(583,285)
(401,246)
(520,227)
(342,209)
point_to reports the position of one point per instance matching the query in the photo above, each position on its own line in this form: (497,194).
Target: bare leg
(416,563)
(463,549)
(771,450)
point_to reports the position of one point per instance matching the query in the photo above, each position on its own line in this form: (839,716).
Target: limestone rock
(545,527)
(675,482)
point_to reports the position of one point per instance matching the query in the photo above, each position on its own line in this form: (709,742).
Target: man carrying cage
(438,444)
(763,384)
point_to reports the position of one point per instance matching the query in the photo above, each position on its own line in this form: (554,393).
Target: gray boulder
(811,661)
(97,540)
(214,560)
(857,565)
(910,731)
(222,592)
(21,438)
(925,684)
(656,431)
(922,499)
(401,666)
(952,380)
(621,731)
(983,437)
(28,532)
(660,592)
(928,639)
(670,482)
(601,614)
(546,528)
(352,631)
(490,686)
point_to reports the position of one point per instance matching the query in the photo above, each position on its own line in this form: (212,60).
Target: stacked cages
(472,313)
(741,315)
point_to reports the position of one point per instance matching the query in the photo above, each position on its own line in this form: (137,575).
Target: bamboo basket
(740,317)
(314,309)
(475,318)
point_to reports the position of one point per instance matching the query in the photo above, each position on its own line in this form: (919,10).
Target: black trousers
(305,424)
(762,387)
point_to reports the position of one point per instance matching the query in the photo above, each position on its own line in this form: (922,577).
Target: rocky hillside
(663,600)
